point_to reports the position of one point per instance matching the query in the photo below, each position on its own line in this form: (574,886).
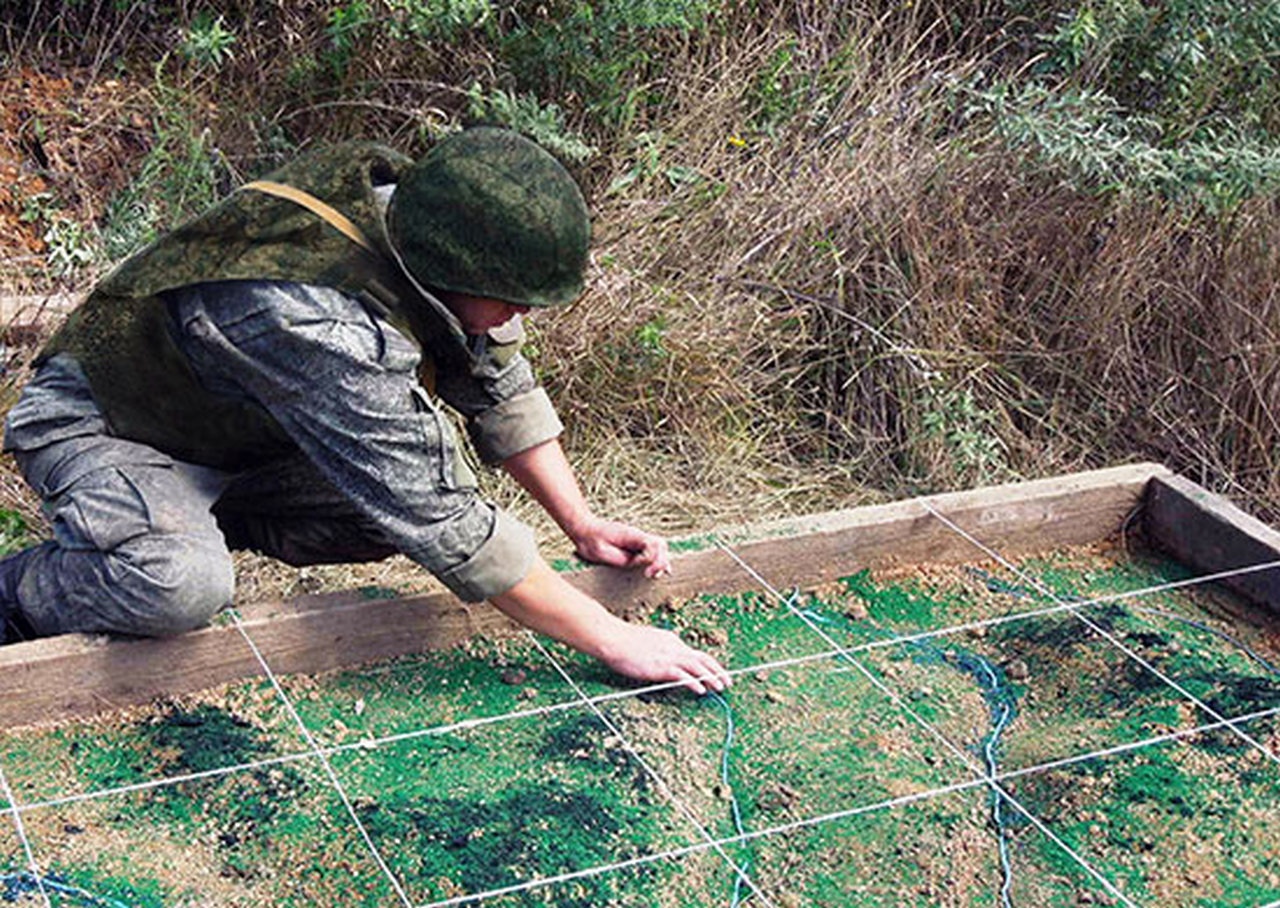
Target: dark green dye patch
(176,741)
(238,810)
(1061,633)
(205,738)
(571,738)
(579,738)
(1234,694)
(482,845)
(496,806)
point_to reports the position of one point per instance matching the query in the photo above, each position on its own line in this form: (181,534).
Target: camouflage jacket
(123,334)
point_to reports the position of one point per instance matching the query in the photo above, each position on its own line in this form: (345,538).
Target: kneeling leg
(135,548)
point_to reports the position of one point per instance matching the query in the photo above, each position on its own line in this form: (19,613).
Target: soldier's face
(479,314)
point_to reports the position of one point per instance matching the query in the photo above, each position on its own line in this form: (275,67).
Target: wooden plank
(78,674)
(1017,518)
(1208,533)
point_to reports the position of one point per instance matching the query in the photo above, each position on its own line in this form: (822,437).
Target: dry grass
(825,292)
(844,281)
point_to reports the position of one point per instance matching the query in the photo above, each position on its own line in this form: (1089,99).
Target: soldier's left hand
(620,545)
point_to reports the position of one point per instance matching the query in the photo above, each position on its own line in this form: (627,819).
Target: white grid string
(7,791)
(16,809)
(324,761)
(1105,634)
(822,656)
(957,752)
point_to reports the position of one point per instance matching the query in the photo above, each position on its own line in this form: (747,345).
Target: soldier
(269,377)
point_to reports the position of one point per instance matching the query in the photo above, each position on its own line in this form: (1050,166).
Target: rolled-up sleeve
(514,425)
(493,386)
(342,384)
(502,561)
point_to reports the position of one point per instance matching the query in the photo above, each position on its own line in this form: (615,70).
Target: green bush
(606,56)
(1179,99)
(544,123)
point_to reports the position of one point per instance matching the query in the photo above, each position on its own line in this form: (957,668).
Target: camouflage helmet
(489,213)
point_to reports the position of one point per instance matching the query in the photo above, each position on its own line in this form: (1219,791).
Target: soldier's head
(487,214)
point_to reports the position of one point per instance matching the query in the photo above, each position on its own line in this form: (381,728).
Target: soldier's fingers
(713,674)
(689,680)
(660,563)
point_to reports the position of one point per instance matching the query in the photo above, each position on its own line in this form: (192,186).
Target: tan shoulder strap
(333,216)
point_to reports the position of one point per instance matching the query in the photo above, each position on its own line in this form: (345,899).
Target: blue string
(740,877)
(1001,704)
(16,884)
(738,897)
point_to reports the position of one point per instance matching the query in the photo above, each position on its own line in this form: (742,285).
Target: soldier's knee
(174,584)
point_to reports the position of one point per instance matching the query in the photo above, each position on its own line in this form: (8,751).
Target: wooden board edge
(1210,534)
(1016,518)
(1120,480)
(78,674)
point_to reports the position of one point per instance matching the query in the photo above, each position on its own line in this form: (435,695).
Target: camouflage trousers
(141,542)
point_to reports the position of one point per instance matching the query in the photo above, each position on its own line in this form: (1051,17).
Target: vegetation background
(844,251)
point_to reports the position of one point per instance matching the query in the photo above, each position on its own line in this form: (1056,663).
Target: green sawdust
(486,808)
(378,592)
(1170,825)
(906,606)
(694,543)
(479,679)
(473,843)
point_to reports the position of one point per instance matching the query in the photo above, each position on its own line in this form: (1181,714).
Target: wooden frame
(48,680)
